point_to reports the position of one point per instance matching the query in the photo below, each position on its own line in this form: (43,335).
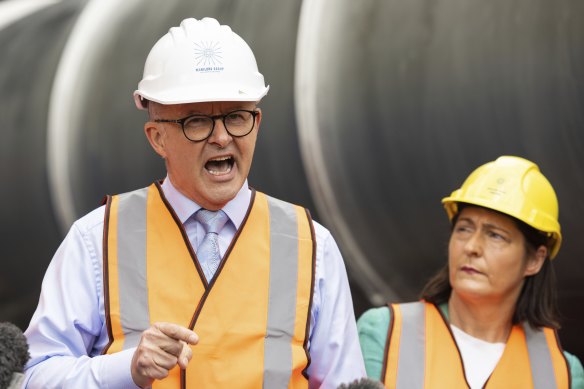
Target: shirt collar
(185,207)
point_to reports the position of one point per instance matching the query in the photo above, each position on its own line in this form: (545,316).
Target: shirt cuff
(117,370)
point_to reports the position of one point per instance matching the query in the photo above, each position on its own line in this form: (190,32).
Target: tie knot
(212,221)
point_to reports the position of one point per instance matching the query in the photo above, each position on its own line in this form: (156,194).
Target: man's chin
(219,195)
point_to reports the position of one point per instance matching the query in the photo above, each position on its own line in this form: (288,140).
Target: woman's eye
(496,236)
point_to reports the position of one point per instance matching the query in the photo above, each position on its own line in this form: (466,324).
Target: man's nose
(220,135)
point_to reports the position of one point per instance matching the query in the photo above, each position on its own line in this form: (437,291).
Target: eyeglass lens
(237,123)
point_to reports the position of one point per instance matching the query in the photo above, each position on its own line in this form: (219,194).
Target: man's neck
(185,207)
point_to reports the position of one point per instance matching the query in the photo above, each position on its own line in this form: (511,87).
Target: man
(198,281)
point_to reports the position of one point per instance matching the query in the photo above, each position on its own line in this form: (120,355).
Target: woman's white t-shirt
(479,357)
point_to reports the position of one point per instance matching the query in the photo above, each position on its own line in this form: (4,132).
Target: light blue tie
(208,251)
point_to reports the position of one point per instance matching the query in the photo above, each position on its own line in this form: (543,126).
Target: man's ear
(258,118)
(535,263)
(156,136)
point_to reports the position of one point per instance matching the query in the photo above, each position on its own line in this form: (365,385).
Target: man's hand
(161,348)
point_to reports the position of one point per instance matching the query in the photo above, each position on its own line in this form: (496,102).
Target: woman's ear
(535,263)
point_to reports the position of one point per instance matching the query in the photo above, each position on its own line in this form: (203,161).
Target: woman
(489,317)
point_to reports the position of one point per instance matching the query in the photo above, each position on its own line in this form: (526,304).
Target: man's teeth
(218,166)
(217,172)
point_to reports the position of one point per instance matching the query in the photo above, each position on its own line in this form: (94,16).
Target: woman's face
(487,256)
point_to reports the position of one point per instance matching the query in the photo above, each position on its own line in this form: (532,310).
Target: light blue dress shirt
(68,329)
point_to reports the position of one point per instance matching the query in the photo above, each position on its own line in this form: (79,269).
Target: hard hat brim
(186,96)
(451,207)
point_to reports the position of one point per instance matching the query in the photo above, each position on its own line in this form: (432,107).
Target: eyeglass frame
(254,113)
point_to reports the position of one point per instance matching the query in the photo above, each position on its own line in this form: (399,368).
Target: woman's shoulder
(375,317)
(576,370)
(380,317)
(372,327)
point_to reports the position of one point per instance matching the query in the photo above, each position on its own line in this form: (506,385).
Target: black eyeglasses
(197,128)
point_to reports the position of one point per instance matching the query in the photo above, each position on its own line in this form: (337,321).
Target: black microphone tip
(363,383)
(13,352)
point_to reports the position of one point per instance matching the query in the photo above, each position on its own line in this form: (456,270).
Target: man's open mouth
(220,165)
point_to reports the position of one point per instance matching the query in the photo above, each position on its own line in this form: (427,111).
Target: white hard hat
(200,61)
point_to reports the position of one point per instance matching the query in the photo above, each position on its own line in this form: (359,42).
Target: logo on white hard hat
(208,57)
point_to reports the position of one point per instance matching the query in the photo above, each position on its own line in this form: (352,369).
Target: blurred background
(377,109)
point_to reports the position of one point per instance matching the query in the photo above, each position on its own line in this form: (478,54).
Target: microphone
(13,356)
(363,383)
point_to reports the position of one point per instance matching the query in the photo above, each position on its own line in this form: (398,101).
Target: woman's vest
(252,318)
(421,353)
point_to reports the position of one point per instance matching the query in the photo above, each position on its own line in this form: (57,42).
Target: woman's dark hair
(537,302)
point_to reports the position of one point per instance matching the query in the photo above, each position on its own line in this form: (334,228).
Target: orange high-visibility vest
(252,319)
(421,352)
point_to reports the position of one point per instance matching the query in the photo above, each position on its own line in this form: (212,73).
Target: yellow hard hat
(513,186)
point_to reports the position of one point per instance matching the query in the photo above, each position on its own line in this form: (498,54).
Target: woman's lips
(470,270)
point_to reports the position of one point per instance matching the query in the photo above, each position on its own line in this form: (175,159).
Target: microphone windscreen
(13,352)
(363,383)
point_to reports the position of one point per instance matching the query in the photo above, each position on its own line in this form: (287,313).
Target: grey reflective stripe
(282,294)
(412,347)
(540,359)
(134,312)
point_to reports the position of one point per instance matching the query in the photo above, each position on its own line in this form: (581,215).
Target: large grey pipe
(31,46)
(398,101)
(74,82)
(311,46)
